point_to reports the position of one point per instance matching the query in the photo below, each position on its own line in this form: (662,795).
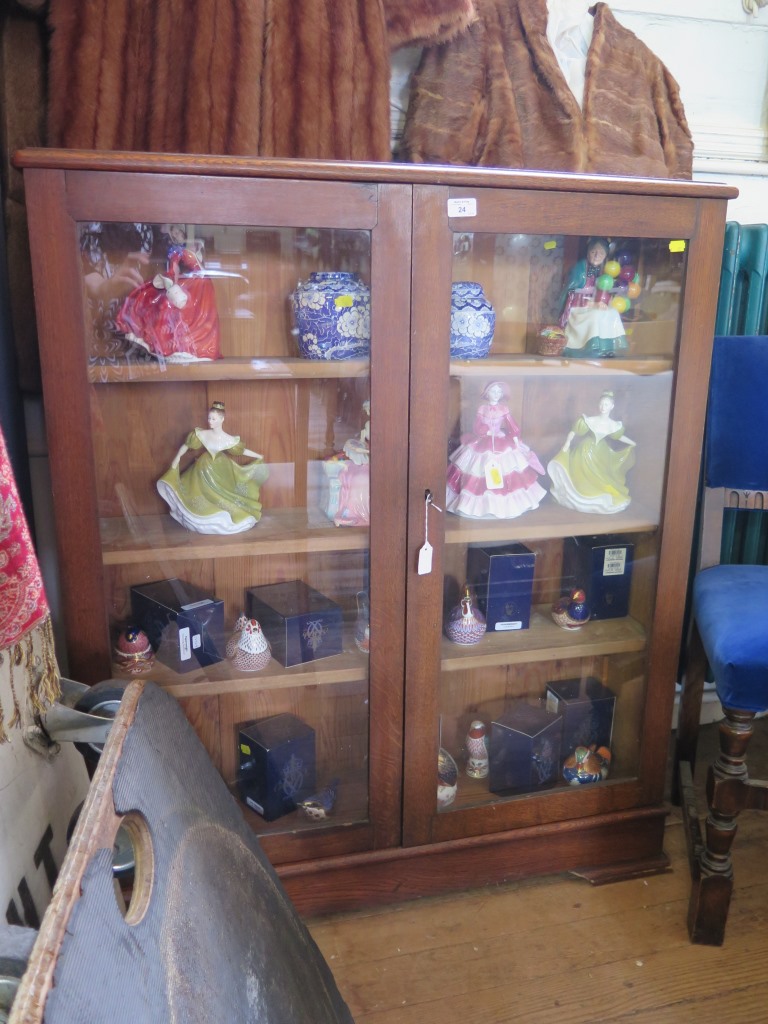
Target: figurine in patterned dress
(492,474)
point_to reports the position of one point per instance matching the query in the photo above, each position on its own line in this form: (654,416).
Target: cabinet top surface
(424,174)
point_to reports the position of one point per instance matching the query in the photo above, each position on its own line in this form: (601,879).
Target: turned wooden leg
(728,793)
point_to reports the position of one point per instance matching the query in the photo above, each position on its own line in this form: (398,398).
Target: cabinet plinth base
(610,847)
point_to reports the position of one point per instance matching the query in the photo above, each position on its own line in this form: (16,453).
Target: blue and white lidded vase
(332,314)
(473,321)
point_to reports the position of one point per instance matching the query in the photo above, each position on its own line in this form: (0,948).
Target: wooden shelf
(299,530)
(130,372)
(475,793)
(549,521)
(348,667)
(545,641)
(525,364)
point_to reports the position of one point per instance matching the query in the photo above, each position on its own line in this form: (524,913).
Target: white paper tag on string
(425,558)
(494,478)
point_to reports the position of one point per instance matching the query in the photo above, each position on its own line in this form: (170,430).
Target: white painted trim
(728,142)
(730,11)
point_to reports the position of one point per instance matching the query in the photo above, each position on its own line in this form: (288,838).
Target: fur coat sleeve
(496,96)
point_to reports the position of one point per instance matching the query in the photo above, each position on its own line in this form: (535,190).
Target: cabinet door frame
(543,210)
(57,200)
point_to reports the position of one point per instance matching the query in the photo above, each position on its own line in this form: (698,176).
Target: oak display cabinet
(117,414)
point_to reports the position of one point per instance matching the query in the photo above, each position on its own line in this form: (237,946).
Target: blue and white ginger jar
(473,321)
(332,313)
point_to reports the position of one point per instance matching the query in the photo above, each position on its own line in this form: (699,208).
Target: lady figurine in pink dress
(354,507)
(492,473)
(174,315)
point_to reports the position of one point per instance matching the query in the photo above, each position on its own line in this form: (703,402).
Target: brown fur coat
(297,78)
(496,96)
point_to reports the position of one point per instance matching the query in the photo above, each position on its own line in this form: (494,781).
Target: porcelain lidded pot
(473,321)
(332,316)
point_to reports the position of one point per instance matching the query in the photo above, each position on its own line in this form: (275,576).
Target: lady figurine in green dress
(214,494)
(588,473)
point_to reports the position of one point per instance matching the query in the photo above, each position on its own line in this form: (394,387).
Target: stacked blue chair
(729,623)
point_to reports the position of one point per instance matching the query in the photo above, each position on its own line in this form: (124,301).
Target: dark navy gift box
(587,708)
(184,623)
(525,749)
(602,568)
(502,578)
(300,623)
(276,765)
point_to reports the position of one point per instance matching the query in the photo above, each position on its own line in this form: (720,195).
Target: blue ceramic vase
(332,313)
(473,321)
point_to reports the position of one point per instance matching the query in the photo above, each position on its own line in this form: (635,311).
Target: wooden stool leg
(726,796)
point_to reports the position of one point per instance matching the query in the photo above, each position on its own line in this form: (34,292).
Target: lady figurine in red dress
(174,315)
(492,473)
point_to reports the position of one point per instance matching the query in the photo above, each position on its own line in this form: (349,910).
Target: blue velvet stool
(729,623)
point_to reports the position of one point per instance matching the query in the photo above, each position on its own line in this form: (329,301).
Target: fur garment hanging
(496,96)
(295,78)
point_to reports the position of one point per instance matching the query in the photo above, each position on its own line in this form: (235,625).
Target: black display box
(276,766)
(525,749)
(183,622)
(300,623)
(587,708)
(602,568)
(502,577)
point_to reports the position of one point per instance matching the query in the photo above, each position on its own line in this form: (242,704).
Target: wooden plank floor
(557,949)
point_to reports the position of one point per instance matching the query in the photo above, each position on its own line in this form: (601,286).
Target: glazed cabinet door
(224,363)
(554,453)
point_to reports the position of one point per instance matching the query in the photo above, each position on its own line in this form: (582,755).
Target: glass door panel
(229,388)
(562,356)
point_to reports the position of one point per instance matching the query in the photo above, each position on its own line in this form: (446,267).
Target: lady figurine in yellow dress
(214,494)
(588,474)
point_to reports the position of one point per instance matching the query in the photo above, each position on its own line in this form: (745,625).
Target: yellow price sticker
(244,748)
(343,300)
(677,245)
(551,244)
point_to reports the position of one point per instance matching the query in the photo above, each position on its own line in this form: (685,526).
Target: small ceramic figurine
(354,505)
(214,494)
(587,764)
(592,324)
(234,639)
(476,745)
(133,652)
(320,805)
(173,316)
(465,623)
(447,779)
(252,652)
(588,473)
(492,474)
(571,611)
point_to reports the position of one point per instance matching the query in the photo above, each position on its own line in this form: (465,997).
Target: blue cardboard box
(602,568)
(276,764)
(502,577)
(183,622)
(300,623)
(587,708)
(525,750)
